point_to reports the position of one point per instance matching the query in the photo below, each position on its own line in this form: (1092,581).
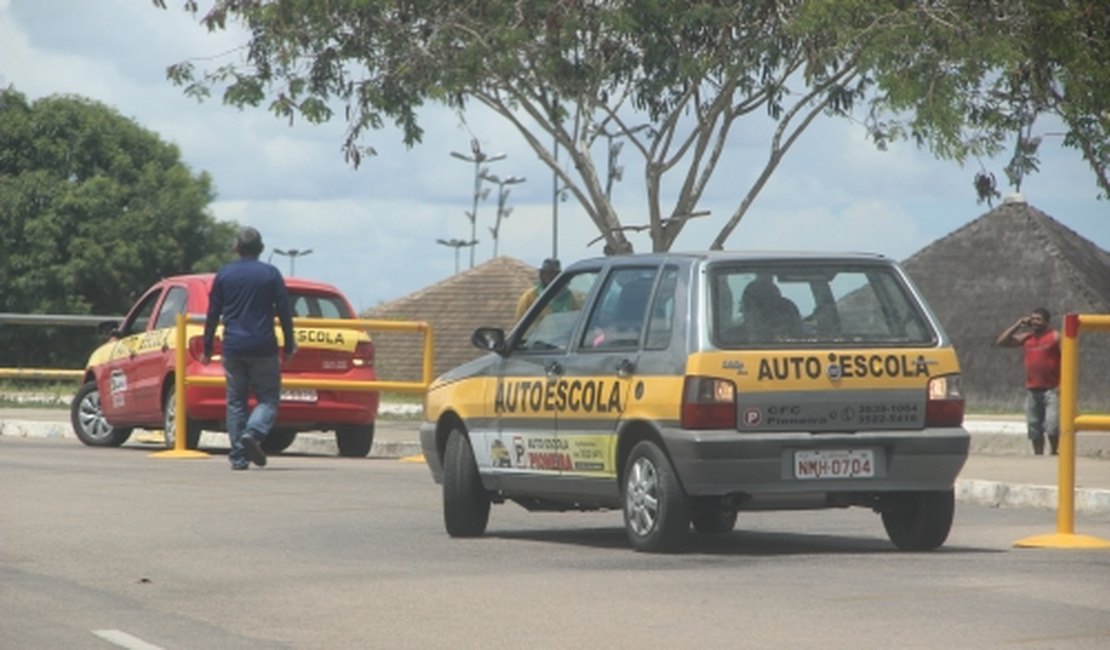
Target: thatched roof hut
(983,276)
(485,295)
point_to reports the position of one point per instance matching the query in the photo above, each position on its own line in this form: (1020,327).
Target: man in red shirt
(1042,375)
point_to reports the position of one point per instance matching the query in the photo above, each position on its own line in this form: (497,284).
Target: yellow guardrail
(1070,422)
(41,374)
(180,380)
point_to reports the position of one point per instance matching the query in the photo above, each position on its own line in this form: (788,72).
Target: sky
(373,230)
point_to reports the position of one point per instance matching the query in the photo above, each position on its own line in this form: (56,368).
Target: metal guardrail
(1070,422)
(181,380)
(65,320)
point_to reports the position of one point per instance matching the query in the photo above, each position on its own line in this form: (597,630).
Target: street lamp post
(293,254)
(477,157)
(457,244)
(614,171)
(502,196)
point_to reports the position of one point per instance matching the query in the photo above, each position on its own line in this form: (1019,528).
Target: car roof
(729,256)
(205,279)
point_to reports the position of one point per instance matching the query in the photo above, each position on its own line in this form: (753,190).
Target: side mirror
(491,339)
(108,328)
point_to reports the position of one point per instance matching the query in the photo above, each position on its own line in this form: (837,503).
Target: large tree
(962,77)
(93,209)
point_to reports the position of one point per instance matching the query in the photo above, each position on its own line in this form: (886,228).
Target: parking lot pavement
(1000,471)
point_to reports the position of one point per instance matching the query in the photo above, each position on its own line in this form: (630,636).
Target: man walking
(1042,375)
(247,294)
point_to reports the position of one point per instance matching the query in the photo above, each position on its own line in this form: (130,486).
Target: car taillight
(364,355)
(196,347)
(945,405)
(708,403)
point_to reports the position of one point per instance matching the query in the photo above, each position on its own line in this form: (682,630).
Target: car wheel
(465,501)
(656,509)
(87,418)
(710,520)
(355,441)
(278,440)
(169,424)
(919,521)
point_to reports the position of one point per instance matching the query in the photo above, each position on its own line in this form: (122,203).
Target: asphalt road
(106,548)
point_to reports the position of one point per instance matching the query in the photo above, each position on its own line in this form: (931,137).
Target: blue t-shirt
(247,294)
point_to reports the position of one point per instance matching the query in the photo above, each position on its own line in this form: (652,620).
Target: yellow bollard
(1065,536)
(179,443)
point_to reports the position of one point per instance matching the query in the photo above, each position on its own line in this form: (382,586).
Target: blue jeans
(262,375)
(1042,412)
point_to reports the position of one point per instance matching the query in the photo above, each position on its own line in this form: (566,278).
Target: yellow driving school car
(685,388)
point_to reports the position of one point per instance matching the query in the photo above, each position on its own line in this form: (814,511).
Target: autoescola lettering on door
(576,395)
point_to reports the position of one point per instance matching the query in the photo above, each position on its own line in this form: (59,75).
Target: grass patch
(36,394)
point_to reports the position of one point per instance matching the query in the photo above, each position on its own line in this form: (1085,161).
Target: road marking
(125,640)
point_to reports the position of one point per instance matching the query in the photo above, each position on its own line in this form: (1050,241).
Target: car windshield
(814,304)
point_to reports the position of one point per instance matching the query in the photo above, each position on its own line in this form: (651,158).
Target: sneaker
(1038,447)
(237,466)
(254,450)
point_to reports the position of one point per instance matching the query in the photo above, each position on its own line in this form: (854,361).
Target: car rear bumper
(331,408)
(728,463)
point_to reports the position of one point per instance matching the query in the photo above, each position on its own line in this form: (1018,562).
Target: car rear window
(316,305)
(811,304)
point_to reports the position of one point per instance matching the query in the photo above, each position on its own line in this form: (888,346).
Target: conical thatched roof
(483,296)
(980,278)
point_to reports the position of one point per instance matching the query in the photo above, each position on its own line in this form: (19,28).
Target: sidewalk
(1000,472)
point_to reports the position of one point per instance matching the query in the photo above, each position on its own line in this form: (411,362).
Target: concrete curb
(1016,495)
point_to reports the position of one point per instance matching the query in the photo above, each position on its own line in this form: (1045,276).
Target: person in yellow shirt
(548,271)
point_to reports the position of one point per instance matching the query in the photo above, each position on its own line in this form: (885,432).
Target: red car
(129,380)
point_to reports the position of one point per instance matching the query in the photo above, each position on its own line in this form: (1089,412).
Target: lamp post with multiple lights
(457,244)
(478,158)
(502,195)
(293,254)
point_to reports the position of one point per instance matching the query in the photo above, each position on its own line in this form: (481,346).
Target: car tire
(355,441)
(278,440)
(169,411)
(465,501)
(656,509)
(919,521)
(87,417)
(713,520)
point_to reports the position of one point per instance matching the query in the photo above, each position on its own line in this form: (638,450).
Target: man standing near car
(247,294)
(1042,375)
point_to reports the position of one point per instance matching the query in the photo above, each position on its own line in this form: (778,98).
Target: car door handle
(553,369)
(625,368)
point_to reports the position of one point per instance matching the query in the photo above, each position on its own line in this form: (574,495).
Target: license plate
(298,395)
(834,463)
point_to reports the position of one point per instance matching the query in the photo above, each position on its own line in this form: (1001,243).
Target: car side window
(176,300)
(618,318)
(140,316)
(559,309)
